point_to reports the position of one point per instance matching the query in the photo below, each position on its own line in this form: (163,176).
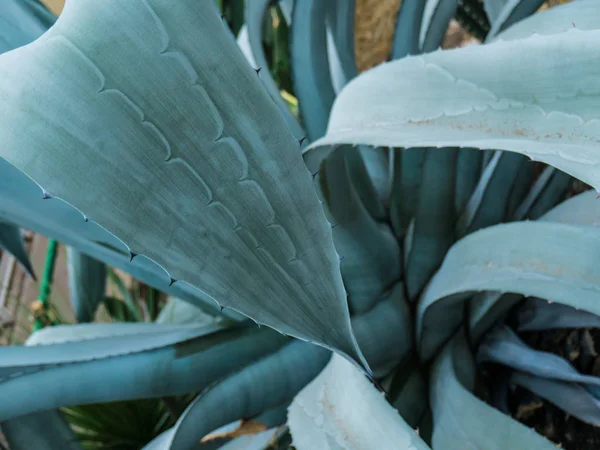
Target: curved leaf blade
(548,260)
(461,419)
(480,96)
(242,221)
(341,409)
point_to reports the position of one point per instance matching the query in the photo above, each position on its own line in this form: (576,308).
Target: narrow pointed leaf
(340,409)
(241,221)
(87,283)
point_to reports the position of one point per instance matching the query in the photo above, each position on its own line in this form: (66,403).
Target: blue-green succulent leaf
(340,409)
(553,261)
(87,283)
(408,391)
(177,311)
(265,384)
(47,430)
(502,346)
(254,15)
(369,252)
(583,209)
(94,363)
(581,14)
(512,12)
(242,221)
(493,8)
(434,219)
(460,419)
(572,398)
(385,333)
(538,314)
(310,65)
(487,308)
(505,95)
(488,204)
(468,171)
(20,23)
(11,240)
(404,196)
(340,22)
(436,17)
(408,29)
(550,195)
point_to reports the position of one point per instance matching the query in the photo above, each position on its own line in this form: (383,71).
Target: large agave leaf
(266,384)
(109,362)
(164,136)
(460,419)
(87,284)
(553,261)
(47,430)
(22,205)
(507,95)
(340,410)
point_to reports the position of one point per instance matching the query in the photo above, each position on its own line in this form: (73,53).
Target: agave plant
(385,239)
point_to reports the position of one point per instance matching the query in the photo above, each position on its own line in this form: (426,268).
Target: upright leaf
(198,172)
(87,283)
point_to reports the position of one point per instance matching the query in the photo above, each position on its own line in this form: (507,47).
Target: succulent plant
(399,224)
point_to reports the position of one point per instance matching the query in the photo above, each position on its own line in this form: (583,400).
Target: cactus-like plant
(385,239)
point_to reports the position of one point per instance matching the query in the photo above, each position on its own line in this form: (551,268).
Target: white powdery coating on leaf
(340,409)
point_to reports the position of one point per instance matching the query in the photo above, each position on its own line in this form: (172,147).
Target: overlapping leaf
(164,136)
